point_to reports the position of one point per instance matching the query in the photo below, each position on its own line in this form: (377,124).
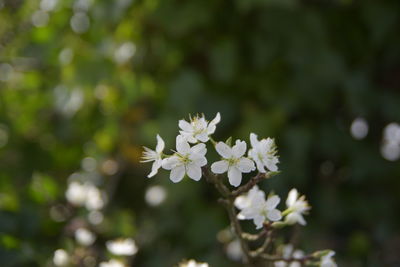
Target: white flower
(154,155)
(263,152)
(187,160)
(126,247)
(76,193)
(297,206)
(254,207)
(193,263)
(94,199)
(60,258)
(85,194)
(111,263)
(287,253)
(84,237)
(198,129)
(233,161)
(327,260)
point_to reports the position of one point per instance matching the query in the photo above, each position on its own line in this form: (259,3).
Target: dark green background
(299,71)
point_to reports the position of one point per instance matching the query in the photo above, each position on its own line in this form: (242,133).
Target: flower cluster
(190,159)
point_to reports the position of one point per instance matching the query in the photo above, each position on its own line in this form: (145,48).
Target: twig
(252,182)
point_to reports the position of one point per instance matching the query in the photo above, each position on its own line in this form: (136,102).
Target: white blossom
(287,253)
(327,260)
(233,161)
(126,247)
(254,207)
(297,206)
(263,152)
(198,129)
(187,160)
(193,263)
(84,237)
(154,155)
(60,258)
(111,263)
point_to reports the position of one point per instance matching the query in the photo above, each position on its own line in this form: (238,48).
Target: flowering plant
(245,201)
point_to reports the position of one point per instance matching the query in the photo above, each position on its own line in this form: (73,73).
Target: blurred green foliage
(98,79)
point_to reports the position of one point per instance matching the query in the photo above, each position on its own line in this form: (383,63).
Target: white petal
(194,172)
(170,162)
(198,159)
(234,176)
(219,166)
(239,149)
(272,202)
(274,215)
(185,126)
(199,149)
(292,197)
(160,144)
(271,164)
(154,168)
(245,165)
(300,219)
(253,140)
(177,174)
(182,146)
(212,125)
(260,166)
(242,202)
(217,119)
(224,150)
(258,221)
(202,137)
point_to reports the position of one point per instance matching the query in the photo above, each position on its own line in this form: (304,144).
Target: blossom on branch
(186,160)
(198,129)
(154,155)
(193,263)
(263,152)
(254,207)
(327,260)
(297,206)
(287,253)
(233,161)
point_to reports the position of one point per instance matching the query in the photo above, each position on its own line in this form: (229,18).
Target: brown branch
(252,182)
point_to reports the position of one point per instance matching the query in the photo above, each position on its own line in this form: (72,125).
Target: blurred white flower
(86,194)
(155,195)
(60,258)
(390,148)
(234,250)
(125,247)
(40,18)
(287,253)
(254,207)
(84,237)
(297,206)
(327,260)
(80,22)
(233,161)
(187,160)
(124,52)
(198,129)
(263,152)
(111,263)
(154,155)
(48,5)
(359,128)
(193,263)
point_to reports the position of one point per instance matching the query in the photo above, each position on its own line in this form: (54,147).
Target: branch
(272,258)
(252,182)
